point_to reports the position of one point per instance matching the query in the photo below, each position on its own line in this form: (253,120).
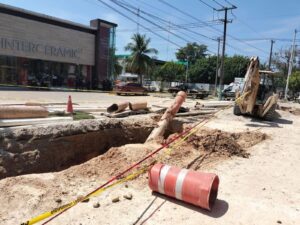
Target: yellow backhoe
(257,97)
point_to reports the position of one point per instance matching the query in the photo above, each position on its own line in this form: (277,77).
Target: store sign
(38,48)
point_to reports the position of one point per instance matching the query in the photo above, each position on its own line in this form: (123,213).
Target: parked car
(191,92)
(131,88)
(228,93)
(148,85)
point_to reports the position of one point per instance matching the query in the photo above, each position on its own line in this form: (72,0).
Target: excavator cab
(258,97)
(266,86)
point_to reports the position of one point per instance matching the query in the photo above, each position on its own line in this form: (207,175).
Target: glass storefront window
(32,72)
(8,70)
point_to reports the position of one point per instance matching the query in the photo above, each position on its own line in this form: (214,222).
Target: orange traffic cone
(70,105)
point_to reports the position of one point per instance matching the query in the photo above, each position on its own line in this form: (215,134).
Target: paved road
(82,98)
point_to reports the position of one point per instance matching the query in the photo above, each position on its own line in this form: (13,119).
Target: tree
(235,66)
(171,71)
(294,82)
(204,70)
(139,60)
(191,52)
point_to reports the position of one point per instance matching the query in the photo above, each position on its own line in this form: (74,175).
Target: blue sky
(255,19)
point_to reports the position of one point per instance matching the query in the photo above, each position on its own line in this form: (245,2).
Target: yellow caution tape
(73,203)
(127,178)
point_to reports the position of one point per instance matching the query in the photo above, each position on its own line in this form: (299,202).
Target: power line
(159,9)
(218,3)
(149,21)
(219,31)
(165,21)
(171,27)
(161,20)
(146,28)
(207,4)
(229,2)
(179,10)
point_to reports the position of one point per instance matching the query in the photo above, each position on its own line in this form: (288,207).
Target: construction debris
(125,114)
(116,199)
(18,112)
(96,205)
(159,131)
(138,106)
(115,108)
(128,196)
(23,122)
(196,113)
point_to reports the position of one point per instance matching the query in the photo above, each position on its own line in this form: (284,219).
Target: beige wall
(31,39)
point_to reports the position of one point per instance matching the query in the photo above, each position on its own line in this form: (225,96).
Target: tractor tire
(236,110)
(271,114)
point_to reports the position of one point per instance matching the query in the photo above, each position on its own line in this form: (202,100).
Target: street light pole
(290,66)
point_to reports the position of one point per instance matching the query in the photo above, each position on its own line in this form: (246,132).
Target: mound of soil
(225,143)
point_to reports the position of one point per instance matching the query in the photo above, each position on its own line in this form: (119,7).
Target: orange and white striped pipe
(197,188)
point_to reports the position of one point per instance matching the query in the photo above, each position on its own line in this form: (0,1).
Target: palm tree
(139,60)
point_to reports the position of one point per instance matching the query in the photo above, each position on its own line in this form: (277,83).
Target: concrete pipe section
(115,108)
(135,106)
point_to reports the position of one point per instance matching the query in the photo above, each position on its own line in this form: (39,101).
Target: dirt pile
(208,146)
(225,143)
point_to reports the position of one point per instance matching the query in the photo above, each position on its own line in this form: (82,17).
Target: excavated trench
(57,147)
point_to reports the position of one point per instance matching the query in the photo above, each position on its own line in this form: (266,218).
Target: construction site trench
(57,147)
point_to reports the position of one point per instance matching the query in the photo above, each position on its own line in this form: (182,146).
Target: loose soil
(43,192)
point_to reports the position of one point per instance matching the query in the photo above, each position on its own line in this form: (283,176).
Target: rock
(58,200)
(114,200)
(126,185)
(128,196)
(278,221)
(96,205)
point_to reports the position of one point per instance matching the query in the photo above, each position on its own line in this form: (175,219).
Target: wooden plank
(22,122)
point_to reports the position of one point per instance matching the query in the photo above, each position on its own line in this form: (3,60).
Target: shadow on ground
(219,209)
(257,122)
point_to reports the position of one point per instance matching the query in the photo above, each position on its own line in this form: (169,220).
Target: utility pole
(217,68)
(225,21)
(290,67)
(271,52)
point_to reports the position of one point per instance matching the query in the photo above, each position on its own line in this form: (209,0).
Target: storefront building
(39,50)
